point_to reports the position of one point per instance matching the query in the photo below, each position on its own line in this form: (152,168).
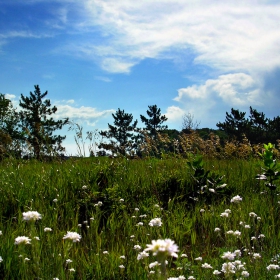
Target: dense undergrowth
(207,207)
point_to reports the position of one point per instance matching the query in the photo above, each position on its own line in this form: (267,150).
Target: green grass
(158,188)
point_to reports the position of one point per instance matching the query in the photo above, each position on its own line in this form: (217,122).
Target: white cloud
(88,115)
(227,35)
(103,79)
(174,114)
(10,96)
(237,89)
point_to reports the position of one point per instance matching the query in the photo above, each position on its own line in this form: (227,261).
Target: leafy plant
(270,171)
(206,182)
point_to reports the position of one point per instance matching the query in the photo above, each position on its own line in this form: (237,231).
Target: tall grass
(110,202)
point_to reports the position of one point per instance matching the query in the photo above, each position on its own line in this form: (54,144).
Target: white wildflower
(22,240)
(74,236)
(236,199)
(47,229)
(156,222)
(31,216)
(166,247)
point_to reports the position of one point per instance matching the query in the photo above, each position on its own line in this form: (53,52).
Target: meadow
(154,218)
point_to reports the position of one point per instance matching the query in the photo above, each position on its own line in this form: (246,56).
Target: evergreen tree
(155,121)
(10,134)
(235,124)
(38,124)
(122,132)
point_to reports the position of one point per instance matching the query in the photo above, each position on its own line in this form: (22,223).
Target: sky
(185,56)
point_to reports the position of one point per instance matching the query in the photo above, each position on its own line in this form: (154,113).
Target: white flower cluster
(166,247)
(31,216)
(22,240)
(156,222)
(74,236)
(236,199)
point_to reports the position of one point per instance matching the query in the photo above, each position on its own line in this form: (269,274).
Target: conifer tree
(155,121)
(122,131)
(39,126)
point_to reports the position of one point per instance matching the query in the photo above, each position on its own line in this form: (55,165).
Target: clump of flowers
(161,248)
(236,199)
(74,236)
(22,240)
(156,222)
(31,216)
(165,247)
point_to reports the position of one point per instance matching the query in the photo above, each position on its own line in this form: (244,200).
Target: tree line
(32,131)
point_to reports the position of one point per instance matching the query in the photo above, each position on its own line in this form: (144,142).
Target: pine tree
(155,121)
(38,124)
(122,131)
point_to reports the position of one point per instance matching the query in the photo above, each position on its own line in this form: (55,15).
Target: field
(96,218)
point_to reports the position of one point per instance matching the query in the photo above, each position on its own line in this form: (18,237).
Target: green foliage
(122,132)
(206,184)
(270,172)
(154,123)
(38,124)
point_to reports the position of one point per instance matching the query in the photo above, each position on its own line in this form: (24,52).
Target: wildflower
(230,232)
(191,278)
(26,259)
(247,226)
(68,261)
(245,273)
(142,255)
(224,214)
(121,266)
(71,269)
(143,216)
(74,236)
(236,199)
(99,203)
(137,247)
(198,259)
(216,272)
(84,187)
(47,229)
(261,236)
(272,267)
(1,232)
(166,247)
(156,222)
(252,214)
(136,209)
(253,238)
(277,276)
(153,264)
(237,253)
(105,252)
(37,238)
(55,278)
(256,256)
(237,233)
(202,210)
(228,211)
(31,216)
(55,200)
(228,256)
(1,259)
(211,190)
(217,229)
(121,200)
(228,268)
(22,240)
(140,224)
(206,265)
(122,257)
(152,272)
(184,256)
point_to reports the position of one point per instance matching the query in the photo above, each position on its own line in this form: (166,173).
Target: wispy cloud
(103,79)
(230,36)
(88,115)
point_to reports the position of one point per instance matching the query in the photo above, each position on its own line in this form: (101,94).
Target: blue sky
(95,56)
